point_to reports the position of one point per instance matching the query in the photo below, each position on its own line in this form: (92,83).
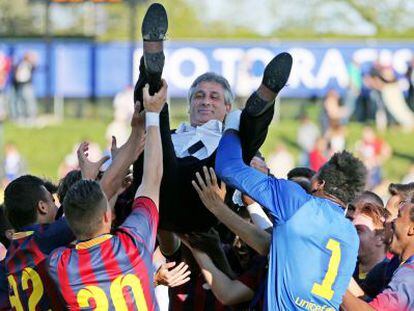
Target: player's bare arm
(153,167)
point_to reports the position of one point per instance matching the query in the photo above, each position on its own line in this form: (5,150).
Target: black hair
(302,176)
(50,186)
(21,199)
(372,197)
(404,190)
(344,176)
(66,182)
(260,155)
(300,172)
(4,226)
(84,205)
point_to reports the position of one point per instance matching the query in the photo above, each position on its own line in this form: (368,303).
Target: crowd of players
(197,221)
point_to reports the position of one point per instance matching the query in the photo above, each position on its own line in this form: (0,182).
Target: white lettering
(333,67)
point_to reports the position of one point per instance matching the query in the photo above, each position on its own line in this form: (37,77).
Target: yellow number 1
(325,289)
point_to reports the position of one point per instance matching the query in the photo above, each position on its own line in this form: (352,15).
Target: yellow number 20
(117,294)
(324,290)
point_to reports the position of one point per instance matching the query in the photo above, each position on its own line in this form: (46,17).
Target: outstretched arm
(114,176)
(281,197)
(351,303)
(153,168)
(213,198)
(227,291)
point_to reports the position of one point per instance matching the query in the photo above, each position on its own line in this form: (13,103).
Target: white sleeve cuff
(258,216)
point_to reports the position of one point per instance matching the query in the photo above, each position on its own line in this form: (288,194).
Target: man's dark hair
(302,176)
(300,172)
(21,199)
(411,200)
(4,227)
(66,182)
(403,190)
(84,205)
(344,176)
(260,155)
(50,186)
(373,198)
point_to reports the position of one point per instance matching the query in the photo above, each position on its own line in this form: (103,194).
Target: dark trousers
(181,209)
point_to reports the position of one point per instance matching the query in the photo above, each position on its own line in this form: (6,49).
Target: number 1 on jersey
(324,290)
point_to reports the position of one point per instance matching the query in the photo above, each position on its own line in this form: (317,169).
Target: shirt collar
(212,126)
(94,241)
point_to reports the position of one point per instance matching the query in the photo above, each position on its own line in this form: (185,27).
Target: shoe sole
(155,23)
(277,72)
(275,76)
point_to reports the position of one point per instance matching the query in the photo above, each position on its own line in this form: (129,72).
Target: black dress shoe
(154,27)
(275,76)
(155,23)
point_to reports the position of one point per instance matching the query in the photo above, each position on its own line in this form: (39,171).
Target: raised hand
(138,118)
(89,169)
(156,102)
(172,275)
(210,193)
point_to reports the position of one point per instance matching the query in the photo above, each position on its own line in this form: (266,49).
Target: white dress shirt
(186,136)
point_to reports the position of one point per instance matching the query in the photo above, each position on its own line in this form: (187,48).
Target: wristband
(152,119)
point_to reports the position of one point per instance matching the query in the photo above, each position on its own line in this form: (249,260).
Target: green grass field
(45,148)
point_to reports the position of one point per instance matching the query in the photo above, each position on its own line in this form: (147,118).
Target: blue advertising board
(83,69)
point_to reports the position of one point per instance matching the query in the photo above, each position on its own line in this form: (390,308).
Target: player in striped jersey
(113,272)
(31,210)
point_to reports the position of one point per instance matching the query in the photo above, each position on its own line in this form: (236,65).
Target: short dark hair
(50,186)
(21,198)
(404,190)
(66,182)
(344,176)
(84,205)
(372,197)
(300,172)
(411,200)
(302,176)
(4,226)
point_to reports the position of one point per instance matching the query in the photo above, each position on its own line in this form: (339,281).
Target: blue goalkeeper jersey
(314,247)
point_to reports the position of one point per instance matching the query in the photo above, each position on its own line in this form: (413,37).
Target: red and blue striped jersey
(111,272)
(30,286)
(4,289)
(399,294)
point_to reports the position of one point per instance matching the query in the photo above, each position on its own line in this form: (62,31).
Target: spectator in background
(354,88)
(14,164)
(409,177)
(410,78)
(332,113)
(335,138)
(280,161)
(317,156)
(306,137)
(373,151)
(123,111)
(374,82)
(24,104)
(5,67)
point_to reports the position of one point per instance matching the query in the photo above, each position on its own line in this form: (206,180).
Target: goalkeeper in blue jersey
(314,247)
